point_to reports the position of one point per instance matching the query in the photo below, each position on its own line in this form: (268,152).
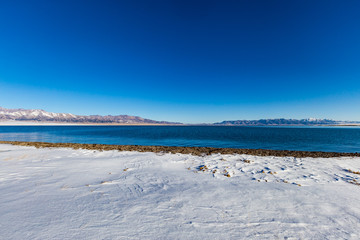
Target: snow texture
(82,194)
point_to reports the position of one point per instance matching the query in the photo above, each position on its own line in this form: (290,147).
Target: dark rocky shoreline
(199,151)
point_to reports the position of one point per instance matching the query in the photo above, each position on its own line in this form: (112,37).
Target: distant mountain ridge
(283,121)
(39,115)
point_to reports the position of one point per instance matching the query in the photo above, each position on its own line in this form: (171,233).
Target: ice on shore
(82,194)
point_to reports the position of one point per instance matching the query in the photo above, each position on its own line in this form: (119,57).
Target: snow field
(81,194)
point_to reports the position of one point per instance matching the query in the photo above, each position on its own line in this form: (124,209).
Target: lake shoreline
(197,151)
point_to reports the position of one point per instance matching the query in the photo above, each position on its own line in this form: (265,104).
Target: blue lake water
(334,139)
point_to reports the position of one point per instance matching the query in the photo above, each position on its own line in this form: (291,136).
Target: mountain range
(38,115)
(284,122)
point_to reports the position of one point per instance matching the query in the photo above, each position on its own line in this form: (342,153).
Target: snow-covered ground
(82,194)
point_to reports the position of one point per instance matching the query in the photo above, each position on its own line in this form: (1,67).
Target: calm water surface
(337,139)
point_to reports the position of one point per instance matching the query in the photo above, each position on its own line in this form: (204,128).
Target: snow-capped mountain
(282,121)
(44,116)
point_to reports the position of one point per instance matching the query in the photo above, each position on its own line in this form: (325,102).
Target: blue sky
(187,61)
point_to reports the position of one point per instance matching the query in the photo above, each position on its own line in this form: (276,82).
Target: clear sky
(188,61)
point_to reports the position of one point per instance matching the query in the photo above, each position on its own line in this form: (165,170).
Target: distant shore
(46,123)
(36,123)
(198,151)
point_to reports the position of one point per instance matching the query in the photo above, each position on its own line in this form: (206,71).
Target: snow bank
(84,194)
